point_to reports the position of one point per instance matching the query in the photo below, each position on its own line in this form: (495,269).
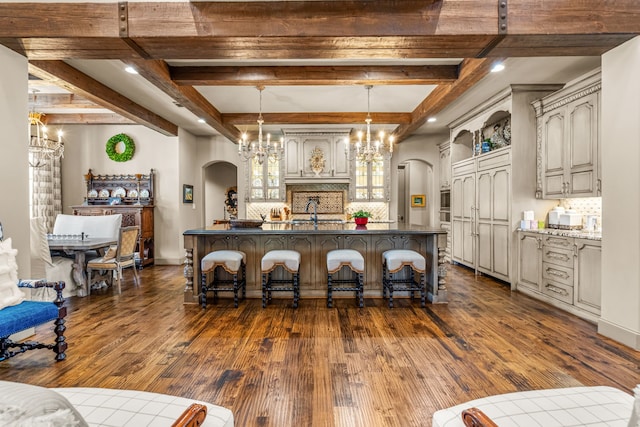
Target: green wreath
(129,148)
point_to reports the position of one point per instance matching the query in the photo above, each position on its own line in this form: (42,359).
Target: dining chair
(45,266)
(116,259)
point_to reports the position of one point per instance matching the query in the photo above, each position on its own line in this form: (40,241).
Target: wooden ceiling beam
(69,78)
(41,100)
(157,72)
(471,72)
(87,119)
(315,75)
(330,118)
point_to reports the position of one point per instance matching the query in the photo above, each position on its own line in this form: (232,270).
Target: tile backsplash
(584,206)
(379,210)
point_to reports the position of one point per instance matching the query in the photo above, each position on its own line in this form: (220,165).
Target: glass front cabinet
(371,180)
(265,180)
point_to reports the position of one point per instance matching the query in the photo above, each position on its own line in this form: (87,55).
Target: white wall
(14,170)
(85,149)
(424,149)
(188,173)
(620,318)
(219,149)
(218,176)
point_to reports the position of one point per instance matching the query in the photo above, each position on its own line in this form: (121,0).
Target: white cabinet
(316,155)
(587,272)
(481,213)
(564,271)
(493,220)
(264,180)
(568,138)
(529,261)
(463,205)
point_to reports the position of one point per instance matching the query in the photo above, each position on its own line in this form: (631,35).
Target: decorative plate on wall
(118,192)
(92,194)
(104,193)
(144,193)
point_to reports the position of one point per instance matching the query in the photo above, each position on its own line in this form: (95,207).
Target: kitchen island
(313,242)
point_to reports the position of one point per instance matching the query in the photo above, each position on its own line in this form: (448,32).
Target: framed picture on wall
(418,201)
(187,193)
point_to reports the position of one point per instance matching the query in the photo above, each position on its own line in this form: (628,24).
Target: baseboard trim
(619,333)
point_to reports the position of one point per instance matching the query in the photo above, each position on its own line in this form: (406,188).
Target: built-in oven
(445,205)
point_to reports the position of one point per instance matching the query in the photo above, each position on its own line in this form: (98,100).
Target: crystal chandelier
(260,150)
(41,147)
(368,150)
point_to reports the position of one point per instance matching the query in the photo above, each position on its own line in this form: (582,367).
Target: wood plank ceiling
(151,36)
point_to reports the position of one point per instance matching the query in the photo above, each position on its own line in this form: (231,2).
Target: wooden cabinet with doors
(568,140)
(129,195)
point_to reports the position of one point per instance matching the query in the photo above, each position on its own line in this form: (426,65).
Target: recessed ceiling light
(431,119)
(131,70)
(202,121)
(497,67)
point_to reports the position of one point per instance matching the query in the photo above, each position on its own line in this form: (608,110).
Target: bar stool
(233,262)
(349,258)
(289,261)
(393,263)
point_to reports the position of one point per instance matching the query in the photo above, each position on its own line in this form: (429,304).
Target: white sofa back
(106,226)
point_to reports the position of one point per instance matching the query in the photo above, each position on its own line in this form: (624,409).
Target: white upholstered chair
(44,266)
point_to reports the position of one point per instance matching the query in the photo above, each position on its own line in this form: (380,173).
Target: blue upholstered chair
(18,314)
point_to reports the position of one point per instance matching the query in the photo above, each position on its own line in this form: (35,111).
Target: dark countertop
(322,228)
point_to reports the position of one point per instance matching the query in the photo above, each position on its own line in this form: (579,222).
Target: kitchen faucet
(314,216)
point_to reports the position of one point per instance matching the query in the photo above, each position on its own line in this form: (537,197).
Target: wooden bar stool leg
(203,290)
(296,290)
(329,298)
(360,291)
(264,290)
(423,290)
(244,280)
(235,290)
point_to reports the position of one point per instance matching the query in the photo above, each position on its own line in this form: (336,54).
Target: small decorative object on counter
(361,217)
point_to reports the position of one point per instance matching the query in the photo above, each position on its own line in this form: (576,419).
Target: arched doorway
(415,178)
(218,176)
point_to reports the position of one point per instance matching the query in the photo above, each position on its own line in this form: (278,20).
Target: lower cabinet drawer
(557,273)
(557,256)
(558,291)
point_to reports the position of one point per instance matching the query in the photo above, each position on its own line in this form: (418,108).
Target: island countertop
(313,243)
(323,227)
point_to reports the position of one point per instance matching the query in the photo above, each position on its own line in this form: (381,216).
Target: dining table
(78,247)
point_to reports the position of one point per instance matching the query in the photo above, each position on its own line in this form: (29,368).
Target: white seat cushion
(398,258)
(338,258)
(560,407)
(290,260)
(102,407)
(229,260)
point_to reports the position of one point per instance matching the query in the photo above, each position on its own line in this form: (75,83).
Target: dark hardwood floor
(314,366)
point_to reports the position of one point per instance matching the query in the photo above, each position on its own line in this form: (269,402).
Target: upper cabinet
(265,182)
(568,140)
(311,155)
